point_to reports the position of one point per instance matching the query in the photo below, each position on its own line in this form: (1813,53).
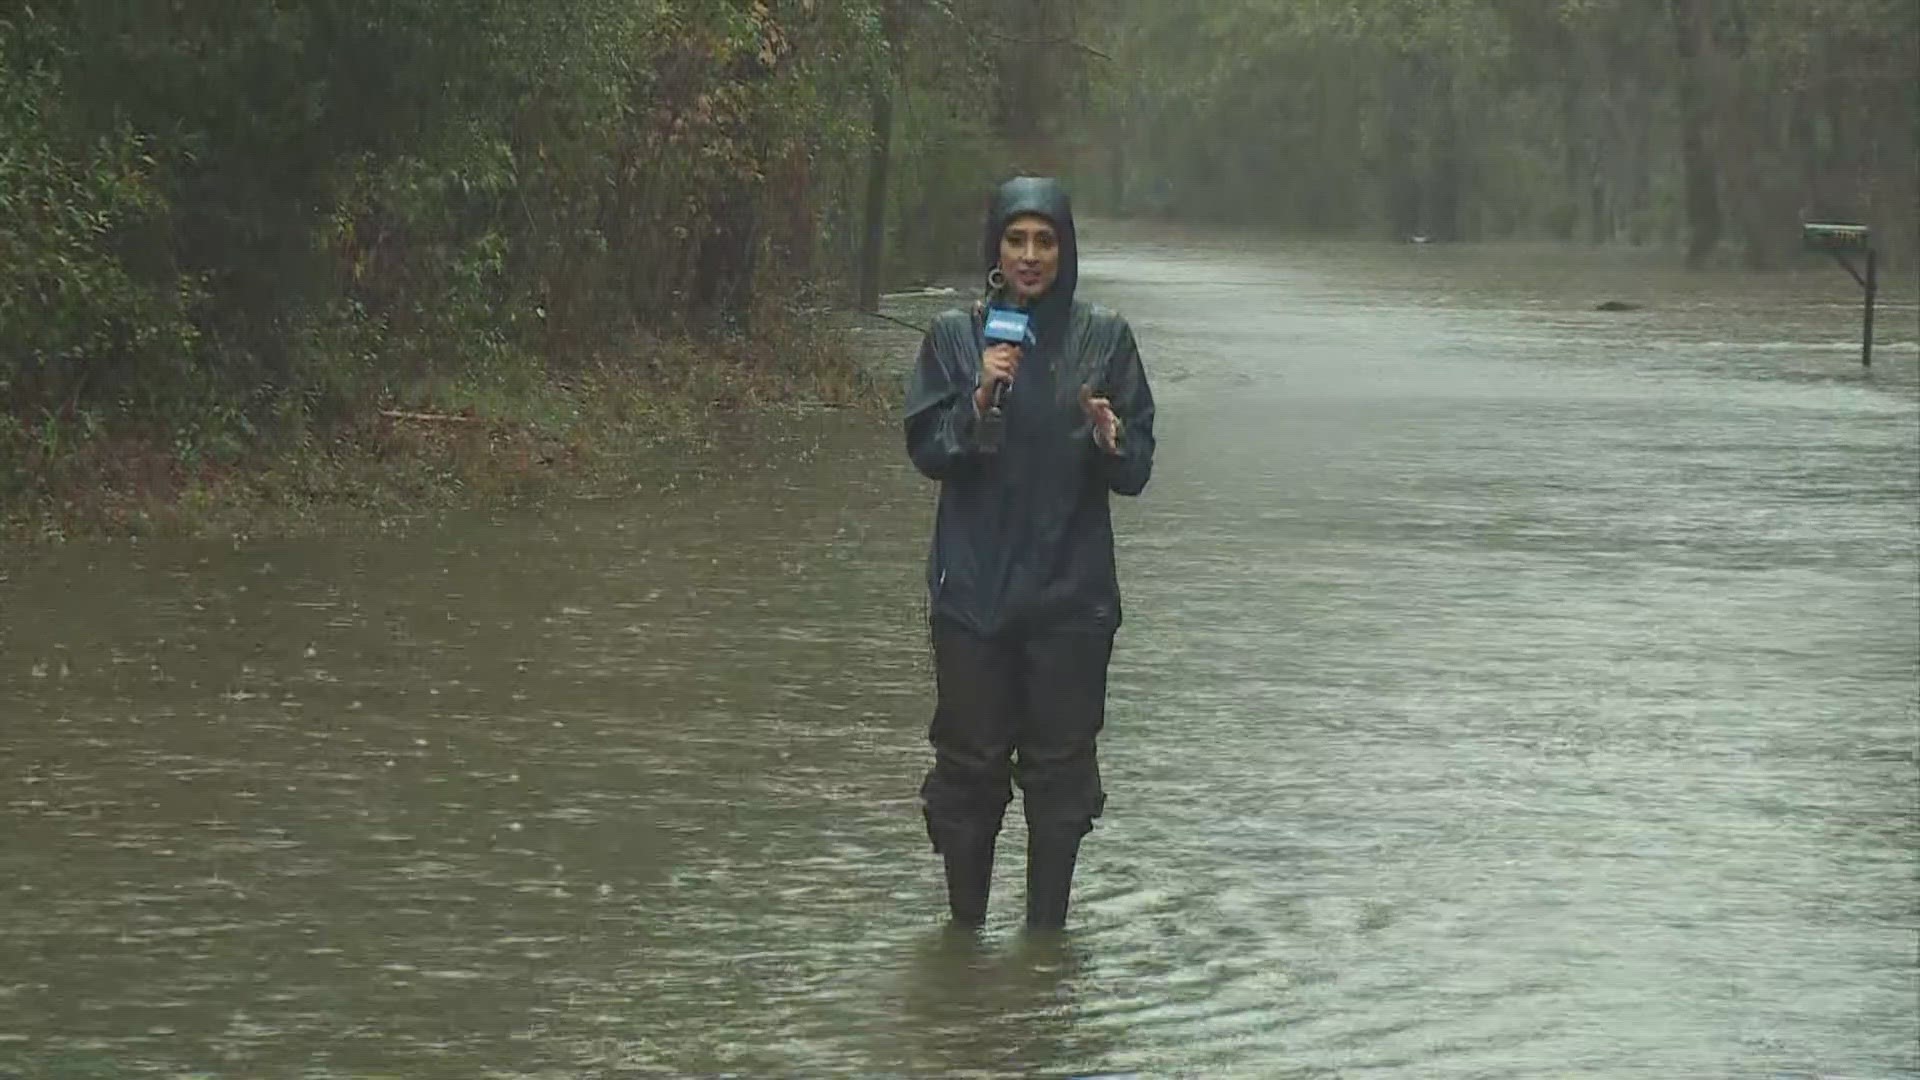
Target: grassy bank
(598,431)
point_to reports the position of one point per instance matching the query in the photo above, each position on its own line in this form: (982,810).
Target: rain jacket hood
(1023,538)
(1046,197)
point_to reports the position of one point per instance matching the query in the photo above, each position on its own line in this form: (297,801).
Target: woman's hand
(998,364)
(1106,424)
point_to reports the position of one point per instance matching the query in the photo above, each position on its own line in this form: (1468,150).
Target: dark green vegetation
(232,234)
(242,243)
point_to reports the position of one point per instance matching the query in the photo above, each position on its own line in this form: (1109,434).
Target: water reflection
(980,1007)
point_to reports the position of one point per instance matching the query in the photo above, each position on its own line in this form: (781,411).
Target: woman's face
(1029,256)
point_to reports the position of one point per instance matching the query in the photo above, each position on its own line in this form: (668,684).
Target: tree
(1720,121)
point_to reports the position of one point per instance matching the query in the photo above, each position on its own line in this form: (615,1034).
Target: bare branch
(1055,42)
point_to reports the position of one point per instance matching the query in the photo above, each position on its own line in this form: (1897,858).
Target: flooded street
(1509,689)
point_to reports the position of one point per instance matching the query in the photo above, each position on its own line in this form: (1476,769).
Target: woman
(1024,599)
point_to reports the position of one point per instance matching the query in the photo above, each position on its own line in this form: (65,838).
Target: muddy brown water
(1509,689)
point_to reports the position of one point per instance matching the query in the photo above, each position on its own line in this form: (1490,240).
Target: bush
(79,326)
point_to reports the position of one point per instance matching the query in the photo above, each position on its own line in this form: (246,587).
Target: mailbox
(1840,240)
(1835,236)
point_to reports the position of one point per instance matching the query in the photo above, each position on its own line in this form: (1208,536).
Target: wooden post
(1872,285)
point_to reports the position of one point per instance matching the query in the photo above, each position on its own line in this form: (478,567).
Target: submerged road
(1508,690)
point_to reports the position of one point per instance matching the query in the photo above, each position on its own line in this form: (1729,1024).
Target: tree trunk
(1691,25)
(1403,187)
(1573,161)
(799,224)
(873,251)
(1443,180)
(725,264)
(1638,177)
(1605,150)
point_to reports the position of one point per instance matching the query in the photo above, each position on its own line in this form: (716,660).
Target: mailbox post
(1841,241)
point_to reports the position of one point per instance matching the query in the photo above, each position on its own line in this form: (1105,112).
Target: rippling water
(1509,689)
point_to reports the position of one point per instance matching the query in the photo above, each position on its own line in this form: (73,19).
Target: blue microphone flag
(1008,325)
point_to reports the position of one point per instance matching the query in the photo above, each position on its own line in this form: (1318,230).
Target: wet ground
(1509,689)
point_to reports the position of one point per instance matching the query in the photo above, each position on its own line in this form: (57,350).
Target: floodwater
(1509,689)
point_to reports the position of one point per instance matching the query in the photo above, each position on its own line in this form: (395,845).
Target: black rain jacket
(1023,539)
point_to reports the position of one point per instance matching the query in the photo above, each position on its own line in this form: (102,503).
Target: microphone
(1002,325)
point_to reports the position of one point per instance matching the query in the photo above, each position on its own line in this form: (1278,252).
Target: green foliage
(223,222)
(74,310)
